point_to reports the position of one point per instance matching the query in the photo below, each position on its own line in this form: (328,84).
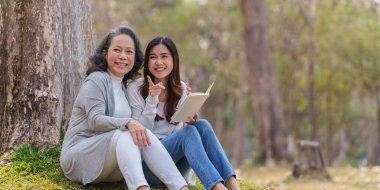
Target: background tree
(45,46)
(270,119)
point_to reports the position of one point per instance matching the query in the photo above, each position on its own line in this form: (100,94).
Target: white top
(122,108)
(145,111)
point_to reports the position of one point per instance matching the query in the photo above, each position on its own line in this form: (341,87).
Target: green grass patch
(34,167)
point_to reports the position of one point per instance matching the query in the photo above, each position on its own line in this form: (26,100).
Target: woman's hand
(188,90)
(155,89)
(193,118)
(139,134)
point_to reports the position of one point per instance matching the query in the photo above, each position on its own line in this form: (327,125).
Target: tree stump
(308,161)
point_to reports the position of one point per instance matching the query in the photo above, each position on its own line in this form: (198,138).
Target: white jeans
(123,160)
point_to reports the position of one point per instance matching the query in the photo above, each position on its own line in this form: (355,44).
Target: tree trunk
(373,135)
(45,46)
(269,114)
(308,10)
(241,130)
(308,161)
(339,150)
(377,95)
(312,106)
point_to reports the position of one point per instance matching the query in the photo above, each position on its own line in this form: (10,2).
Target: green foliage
(32,167)
(31,158)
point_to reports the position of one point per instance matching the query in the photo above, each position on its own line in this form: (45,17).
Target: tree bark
(269,113)
(308,10)
(340,147)
(45,46)
(241,130)
(373,135)
(377,95)
(308,161)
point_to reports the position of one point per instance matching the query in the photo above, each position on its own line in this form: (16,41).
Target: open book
(190,105)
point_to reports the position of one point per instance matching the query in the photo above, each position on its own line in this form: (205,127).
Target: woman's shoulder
(184,90)
(98,76)
(136,83)
(183,84)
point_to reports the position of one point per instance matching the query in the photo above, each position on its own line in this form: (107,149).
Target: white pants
(123,160)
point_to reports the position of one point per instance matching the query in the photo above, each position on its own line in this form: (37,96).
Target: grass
(343,178)
(32,166)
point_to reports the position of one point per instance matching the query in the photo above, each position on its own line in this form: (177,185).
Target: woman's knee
(150,133)
(190,129)
(124,134)
(125,137)
(203,126)
(190,132)
(152,137)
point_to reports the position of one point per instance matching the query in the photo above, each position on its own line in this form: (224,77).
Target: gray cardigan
(90,129)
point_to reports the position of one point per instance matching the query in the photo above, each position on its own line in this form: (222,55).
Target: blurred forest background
(284,70)
(327,58)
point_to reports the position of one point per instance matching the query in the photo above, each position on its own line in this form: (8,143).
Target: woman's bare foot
(219,186)
(184,188)
(232,184)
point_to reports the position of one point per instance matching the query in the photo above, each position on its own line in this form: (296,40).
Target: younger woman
(154,100)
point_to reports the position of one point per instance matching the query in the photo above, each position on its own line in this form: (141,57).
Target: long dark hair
(99,63)
(173,87)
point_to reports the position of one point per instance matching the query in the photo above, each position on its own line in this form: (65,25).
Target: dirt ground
(343,178)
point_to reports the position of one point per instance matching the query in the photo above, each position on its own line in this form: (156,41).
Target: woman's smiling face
(160,62)
(120,55)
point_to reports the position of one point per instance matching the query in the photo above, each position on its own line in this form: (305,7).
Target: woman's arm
(93,99)
(143,111)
